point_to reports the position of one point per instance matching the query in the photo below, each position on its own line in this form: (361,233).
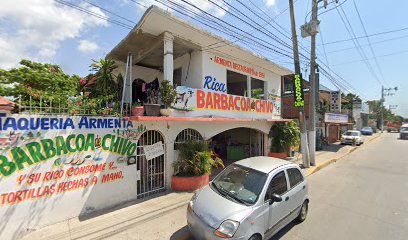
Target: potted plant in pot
(168,95)
(193,166)
(284,137)
(137,109)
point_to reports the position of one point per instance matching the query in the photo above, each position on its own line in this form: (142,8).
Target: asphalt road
(362,196)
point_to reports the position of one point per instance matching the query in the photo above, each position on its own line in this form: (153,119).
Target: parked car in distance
(352,136)
(250,199)
(367,131)
(404,131)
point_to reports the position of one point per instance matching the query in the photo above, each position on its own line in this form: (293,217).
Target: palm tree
(104,85)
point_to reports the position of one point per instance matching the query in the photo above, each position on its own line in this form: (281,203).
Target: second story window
(257,88)
(236,84)
(177,73)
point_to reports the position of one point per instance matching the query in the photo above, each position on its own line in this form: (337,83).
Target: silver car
(251,199)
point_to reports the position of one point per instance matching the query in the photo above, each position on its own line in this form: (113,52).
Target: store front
(335,125)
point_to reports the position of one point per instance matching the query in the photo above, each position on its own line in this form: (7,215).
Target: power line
(94,14)
(369,42)
(385,55)
(370,35)
(324,48)
(246,34)
(108,11)
(373,43)
(361,52)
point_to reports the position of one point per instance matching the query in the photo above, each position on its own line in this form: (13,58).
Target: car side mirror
(275,198)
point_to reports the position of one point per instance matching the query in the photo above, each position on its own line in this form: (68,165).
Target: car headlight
(227,229)
(191,203)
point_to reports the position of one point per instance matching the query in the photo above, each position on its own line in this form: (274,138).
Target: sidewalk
(330,154)
(140,216)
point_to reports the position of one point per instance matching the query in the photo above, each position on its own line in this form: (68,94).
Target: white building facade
(54,168)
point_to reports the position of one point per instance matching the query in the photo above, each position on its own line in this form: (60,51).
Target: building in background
(331,118)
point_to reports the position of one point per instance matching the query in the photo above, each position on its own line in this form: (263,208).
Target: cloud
(270,3)
(202,4)
(38,27)
(87,46)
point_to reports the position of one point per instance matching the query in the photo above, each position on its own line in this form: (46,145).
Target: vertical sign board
(335,101)
(298,91)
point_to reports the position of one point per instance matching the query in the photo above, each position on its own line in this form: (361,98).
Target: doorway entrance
(152,172)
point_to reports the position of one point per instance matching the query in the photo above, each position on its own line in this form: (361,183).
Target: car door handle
(287,198)
(304,186)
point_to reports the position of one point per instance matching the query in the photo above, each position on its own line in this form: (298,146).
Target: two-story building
(329,124)
(215,80)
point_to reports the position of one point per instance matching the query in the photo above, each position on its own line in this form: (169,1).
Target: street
(362,196)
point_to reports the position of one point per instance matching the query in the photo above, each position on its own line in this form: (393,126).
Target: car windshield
(351,134)
(404,129)
(367,129)
(240,184)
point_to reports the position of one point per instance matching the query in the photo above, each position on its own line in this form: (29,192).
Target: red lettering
(200,98)
(231,102)
(208,101)
(217,103)
(236,103)
(257,105)
(248,104)
(270,107)
(224,102)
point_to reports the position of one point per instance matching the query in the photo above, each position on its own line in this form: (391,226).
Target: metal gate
(152,172)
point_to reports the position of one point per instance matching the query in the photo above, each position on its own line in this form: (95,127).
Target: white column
(168,57)
(249,87)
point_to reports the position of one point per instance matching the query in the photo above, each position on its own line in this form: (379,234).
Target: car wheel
(303,211)
(255,237)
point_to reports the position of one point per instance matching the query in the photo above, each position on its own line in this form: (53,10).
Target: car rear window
(295,177)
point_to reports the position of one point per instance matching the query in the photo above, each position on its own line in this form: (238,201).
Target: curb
(315,169)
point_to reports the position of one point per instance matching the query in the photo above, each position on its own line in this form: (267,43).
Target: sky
(49,31)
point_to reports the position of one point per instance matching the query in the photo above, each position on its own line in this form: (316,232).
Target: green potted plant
(193,166)
(137,109)
(284,137)
(168,95)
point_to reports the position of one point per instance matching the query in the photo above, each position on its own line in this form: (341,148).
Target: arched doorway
(152,172)
(238,143)
(187,134)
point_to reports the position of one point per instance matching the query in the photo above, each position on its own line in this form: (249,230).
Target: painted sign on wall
(67,163)
(239,67)
(200,103)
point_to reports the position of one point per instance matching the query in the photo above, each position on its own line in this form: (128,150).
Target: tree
(351,98)
(39,81)
(104,85)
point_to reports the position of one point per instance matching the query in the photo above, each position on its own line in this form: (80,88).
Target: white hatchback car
(352,136)
(251,199)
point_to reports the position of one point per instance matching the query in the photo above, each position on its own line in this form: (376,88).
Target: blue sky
(44,30)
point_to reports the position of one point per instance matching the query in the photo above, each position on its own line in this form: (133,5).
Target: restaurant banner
(191,102)
(335,118)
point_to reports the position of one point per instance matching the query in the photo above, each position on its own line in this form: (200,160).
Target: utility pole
(303,134)
(382,109)
(385,92)
(312,89)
